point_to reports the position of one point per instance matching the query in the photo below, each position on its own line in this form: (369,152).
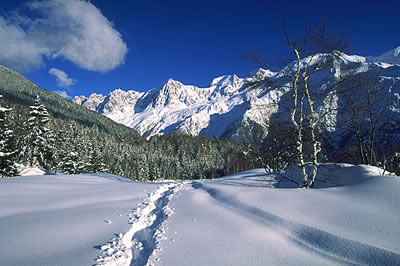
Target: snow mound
(29,171)
(331,175)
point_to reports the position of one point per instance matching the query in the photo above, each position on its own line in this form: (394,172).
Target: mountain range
(230,107)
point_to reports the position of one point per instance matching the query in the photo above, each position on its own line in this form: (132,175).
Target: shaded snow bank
(331,175)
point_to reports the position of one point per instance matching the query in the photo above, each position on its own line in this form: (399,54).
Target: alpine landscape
(155,134)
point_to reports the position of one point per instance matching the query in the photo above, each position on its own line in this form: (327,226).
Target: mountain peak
(224,81)
(389,57)
(264,73)
(172,81)
(91,102)
(119,90)
(396,51)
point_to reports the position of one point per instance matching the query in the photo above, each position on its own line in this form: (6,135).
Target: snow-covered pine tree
(69,149)
(7,152)
(38,149)
(69,163)
(95,162)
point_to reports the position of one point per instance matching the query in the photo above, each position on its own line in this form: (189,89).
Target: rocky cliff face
(230,107)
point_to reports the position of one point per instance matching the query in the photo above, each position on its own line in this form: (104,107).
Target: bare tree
(313,54)
(369,105)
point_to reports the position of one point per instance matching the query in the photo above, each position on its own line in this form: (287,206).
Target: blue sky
(81,47)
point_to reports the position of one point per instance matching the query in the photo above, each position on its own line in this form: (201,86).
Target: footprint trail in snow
(136,246)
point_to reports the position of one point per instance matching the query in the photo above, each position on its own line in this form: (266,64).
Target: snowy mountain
(230,107)
(390,57)
(225,108)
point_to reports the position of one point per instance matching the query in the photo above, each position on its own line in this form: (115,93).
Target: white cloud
(62,79)
(72,29)
(63,94)
(16,51)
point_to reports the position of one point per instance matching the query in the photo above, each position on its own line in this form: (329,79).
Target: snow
(92,102)
(64,220)
(239,220)
(150,214)
(27,171)
(243,219)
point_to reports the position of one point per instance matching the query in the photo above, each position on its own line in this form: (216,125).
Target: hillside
(17,89)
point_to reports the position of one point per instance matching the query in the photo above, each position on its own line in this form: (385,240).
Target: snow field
(63,219)
(236,220)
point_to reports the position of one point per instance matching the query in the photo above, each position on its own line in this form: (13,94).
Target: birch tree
(312,56)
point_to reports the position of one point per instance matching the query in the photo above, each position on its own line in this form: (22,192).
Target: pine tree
(95,162)
(7,152)
(69,164)
(38,149)
(70,150)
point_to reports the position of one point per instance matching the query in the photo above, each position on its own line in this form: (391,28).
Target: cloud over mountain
(63,94)
(62,78)
(72,29)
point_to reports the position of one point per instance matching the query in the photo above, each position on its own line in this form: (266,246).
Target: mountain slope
(16,88)
(231,107)
(389,57)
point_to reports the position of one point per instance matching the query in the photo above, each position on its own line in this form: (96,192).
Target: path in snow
(323,243)
(136,246)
